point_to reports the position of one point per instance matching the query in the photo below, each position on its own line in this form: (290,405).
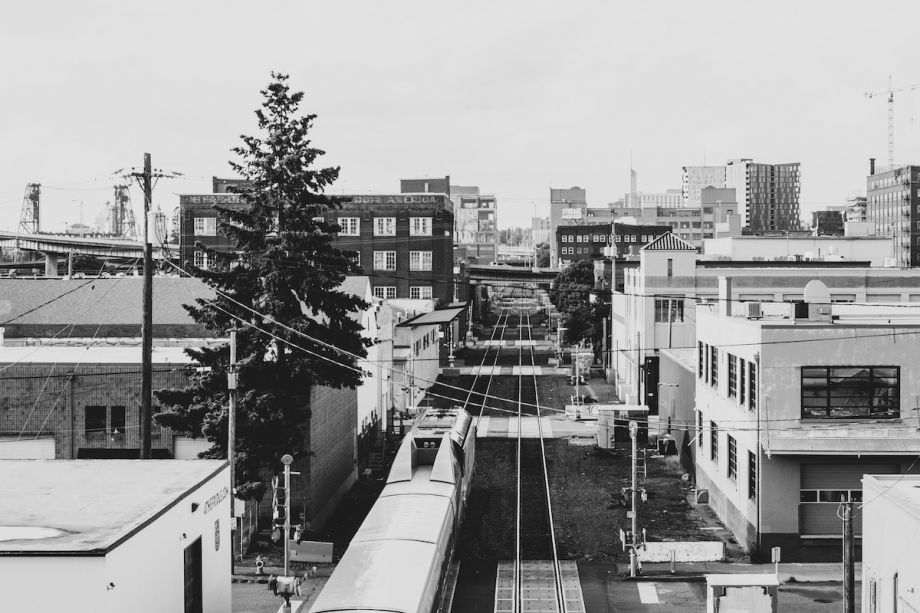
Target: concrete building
(119,535)
(540,230)
(426,185)
(891,540)
(696,178)
(856,209)
(566,207)
(671,276)
(877,251)
(829,221)
(475,219)
(768,194)
(893,207)
(794,404)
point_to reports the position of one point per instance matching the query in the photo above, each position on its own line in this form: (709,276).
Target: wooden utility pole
(231,443)
(147,324)
(634,553)
(849,599)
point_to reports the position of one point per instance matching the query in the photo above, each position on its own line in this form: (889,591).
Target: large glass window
(420,226)
(701,350)
(850,392)
(205,226)
(350,226)
(384,226)
(385,292)
(752,385)
(422,292)
(201,259)
(117,422)
(713,441)
(714,367)
(419,260)
(94,419)
(673,305)
(384,260)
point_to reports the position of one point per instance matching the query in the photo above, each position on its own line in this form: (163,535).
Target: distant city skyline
(539,94)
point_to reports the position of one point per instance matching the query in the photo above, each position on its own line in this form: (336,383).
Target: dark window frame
(118,415)
(732,457)
(752,385)
(714,366)
(732,375)
(842,387)
(677,311)
(95,424)
(752,475)
(713,441)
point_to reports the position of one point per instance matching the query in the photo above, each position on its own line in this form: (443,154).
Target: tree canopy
(571,294)
(282,275)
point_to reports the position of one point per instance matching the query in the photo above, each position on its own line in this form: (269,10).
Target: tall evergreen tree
(284,267)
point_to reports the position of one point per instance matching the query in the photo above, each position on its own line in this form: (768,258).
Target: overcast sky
(512,96)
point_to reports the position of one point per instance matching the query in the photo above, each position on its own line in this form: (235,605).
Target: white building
(99,536)
(876,250)
(891,540)
(794,404)
(696,178)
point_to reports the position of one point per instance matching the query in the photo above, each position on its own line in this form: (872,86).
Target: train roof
(413,517)
(456,422)
(376,576)
(420,483)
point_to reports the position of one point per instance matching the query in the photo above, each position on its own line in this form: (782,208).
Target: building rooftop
(902,489)
(669,242)
(89,507)
(97,301)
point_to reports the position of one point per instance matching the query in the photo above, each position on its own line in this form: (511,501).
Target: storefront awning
(899,443)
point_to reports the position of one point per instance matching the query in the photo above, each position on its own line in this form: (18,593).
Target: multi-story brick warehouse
(404,242)
(893,208)
(592,241)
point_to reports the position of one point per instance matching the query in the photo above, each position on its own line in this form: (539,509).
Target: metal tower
(31,203)
(121,214)
(891,92)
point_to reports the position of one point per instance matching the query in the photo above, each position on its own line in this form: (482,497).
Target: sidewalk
(309,588)
(790,572)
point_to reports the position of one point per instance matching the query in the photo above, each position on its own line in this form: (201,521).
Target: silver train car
(398,560)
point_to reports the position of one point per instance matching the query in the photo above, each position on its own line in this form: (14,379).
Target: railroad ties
(538,587)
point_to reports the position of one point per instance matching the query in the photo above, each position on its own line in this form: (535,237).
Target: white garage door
(14,448)
(822,487)
(188,448)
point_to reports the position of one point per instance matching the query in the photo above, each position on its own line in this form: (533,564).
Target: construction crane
(891,91)
(31,209)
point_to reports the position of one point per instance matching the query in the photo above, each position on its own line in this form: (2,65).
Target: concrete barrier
(684,551)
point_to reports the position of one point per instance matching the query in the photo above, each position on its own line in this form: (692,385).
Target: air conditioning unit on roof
(753,310)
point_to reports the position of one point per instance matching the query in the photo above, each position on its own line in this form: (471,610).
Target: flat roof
(903,488)
(91,505)
(440,316)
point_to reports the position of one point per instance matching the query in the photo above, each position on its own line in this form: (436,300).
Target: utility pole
(633,554)
(147,322)
(145,180)
(231,442)
(287,460)
(849,599)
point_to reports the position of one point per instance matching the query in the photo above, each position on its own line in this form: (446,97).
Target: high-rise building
(768,194)
(696,178)
(475,223)
(892,201)
(566,207)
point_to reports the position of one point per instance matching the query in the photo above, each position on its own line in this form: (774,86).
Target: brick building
(593,242)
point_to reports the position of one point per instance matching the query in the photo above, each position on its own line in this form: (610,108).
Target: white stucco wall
(44,583)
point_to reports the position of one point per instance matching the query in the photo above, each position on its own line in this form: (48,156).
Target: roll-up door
(15,448)
(822,487)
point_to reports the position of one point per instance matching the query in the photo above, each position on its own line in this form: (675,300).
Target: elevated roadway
(516,276)
(55,246)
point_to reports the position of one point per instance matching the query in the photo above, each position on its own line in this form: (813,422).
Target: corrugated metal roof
(441,316)
(843,445)
(669,242)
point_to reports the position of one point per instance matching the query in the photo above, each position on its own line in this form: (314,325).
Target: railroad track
(477,399)
(535,536)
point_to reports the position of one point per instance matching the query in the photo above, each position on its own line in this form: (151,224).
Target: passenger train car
(398,560)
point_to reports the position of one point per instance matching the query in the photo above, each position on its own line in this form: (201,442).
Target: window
(742,377)
(732,457)
(384,260)
(420,293)
(752,386)
(206,226)
(732,375)
(384,226)
(830,496)
(94,420)
(752,475)
(714,367)
(201,259)
(670,267)
(841,392)
(702,359)
(350,226)
(117,421)
(700,438)
(420,226)
(674,305)
(385,292)
(419,260)
(713,441)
